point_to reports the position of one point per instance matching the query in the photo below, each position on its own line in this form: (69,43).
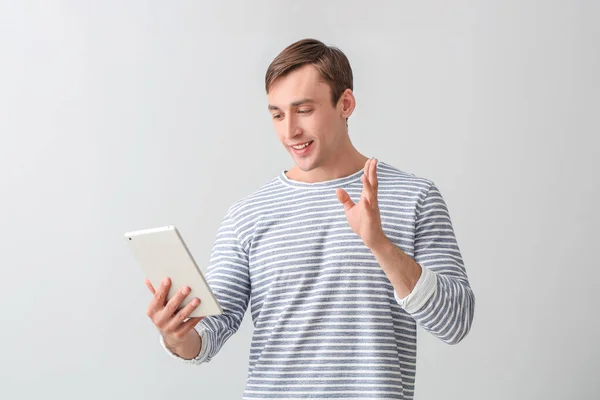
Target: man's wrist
(172,344)
(382,246)
(187,347)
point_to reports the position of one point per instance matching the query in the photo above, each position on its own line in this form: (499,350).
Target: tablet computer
(161,252)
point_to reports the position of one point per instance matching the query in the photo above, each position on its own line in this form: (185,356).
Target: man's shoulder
(389,175)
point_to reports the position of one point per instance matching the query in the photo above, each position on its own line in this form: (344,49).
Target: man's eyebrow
(303,101)
(293,104)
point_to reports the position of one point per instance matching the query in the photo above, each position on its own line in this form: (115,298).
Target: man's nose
(292,129)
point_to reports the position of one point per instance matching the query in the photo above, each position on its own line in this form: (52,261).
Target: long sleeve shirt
(327,321)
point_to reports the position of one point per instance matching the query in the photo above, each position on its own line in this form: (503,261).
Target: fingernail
(185,291)
(166,281)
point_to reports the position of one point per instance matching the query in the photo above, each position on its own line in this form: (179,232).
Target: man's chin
(305,165)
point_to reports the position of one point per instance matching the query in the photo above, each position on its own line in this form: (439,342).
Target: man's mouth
(302,149)
(302,145)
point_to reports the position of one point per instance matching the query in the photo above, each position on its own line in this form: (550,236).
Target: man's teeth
(300,147)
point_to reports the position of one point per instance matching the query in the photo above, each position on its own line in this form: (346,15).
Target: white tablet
(161,252)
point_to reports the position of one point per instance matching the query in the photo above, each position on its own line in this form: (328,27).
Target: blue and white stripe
(328,323)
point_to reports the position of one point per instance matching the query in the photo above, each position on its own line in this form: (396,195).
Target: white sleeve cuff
(425,288)
(199,359)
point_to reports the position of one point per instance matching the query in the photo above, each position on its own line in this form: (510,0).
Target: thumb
(344,198)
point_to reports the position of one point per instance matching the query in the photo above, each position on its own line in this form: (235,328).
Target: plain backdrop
(122,115)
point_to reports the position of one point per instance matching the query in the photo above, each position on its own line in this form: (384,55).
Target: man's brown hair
(331,62)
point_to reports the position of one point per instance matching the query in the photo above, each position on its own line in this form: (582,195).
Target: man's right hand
(172,324)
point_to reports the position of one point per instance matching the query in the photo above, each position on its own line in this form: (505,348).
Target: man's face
(307,124)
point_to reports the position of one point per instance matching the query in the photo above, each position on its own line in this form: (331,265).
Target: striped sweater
(327,321)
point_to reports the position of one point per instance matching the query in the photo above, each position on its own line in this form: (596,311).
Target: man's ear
(347,103)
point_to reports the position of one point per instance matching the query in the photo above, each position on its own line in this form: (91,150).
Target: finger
(369,170)
(373,182)
(367,192)
(149,286)
(364,194)
(344,198)
(164,316)
(175,301)
(182,315)
(373,174)
(161,294)
(366,171)
(187,326)
(158,300)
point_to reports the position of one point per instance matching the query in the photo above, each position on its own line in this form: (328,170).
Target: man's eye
(276,116)
(304,111)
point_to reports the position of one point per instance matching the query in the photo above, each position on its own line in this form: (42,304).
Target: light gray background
(120,115)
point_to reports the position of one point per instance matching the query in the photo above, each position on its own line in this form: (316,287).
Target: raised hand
(364,217)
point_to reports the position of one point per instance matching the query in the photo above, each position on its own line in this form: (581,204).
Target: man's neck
(344,164)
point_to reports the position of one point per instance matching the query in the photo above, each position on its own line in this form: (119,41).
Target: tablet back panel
(162,252)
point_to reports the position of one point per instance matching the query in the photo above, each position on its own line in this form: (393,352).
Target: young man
(341,256)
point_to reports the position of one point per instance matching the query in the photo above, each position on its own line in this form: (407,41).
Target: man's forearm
(188,348)
(402,271)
